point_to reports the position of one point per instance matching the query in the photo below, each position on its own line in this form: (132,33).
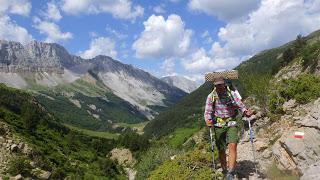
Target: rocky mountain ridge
(39,65)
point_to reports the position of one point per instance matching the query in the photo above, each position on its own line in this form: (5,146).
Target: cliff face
(35,57)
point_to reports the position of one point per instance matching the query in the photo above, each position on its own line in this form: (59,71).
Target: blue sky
(169,37)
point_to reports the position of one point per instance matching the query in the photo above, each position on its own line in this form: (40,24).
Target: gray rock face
(300,153)
(35,57)
(312,172)
(181,82)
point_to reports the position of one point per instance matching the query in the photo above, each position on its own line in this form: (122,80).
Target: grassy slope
(109,106)
(64,152)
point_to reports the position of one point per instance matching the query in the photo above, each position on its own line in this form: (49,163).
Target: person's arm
(208,111)
(239,103)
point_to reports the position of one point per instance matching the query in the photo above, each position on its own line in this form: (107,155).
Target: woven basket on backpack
(233,74)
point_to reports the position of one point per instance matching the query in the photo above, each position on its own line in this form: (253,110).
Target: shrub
(152,158)
(192,165)
(19,165)
(303,89)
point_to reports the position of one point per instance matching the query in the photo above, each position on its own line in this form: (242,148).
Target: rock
(33,164)
(123,156)
(289,105)
(45,175)
(21,145)
(305,151)
(285,162)
(41,174)
(26,150)
(14,148)
(312,172)
(260,145)
(17,177)
(131,173)
(173,157)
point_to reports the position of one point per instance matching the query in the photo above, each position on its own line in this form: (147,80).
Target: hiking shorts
(225,135)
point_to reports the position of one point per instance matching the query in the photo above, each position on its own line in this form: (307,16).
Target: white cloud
(52,31)
(224,9)
(274,23)
(163,38)
(12,32)
(168,67)
(100,46)
(201,61)
(52,12)
(20,7)
(159,9)
(122,9)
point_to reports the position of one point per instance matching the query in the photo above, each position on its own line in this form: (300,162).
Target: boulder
(287,106)
(14,148)
(285,162)
(21,145)
(306,151)
(17,177)
(45,175)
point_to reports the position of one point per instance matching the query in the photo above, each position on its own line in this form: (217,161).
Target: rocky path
(246,168)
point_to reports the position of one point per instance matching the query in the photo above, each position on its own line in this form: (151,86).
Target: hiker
(222,107)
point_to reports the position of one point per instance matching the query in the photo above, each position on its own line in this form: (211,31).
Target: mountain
(181,82)
(94,93)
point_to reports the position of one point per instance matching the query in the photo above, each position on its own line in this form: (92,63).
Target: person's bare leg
(223,160)
(232,155)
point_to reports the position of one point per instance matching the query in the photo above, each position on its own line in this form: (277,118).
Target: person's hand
(248,113)
(209,123)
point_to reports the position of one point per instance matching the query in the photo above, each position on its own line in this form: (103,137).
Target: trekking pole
(252,146)
(212,150)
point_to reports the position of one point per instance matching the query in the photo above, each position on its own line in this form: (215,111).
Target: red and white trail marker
(298,135)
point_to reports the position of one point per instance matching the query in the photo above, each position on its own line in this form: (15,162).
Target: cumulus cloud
(12,32)
(274,23)
(224,9)
(201,61)
(163,38)
(122,9)
(52,12)
(20,7)
(100,46)
(52,31)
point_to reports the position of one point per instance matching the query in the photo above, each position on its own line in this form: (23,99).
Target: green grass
(101,134)
(180,135)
